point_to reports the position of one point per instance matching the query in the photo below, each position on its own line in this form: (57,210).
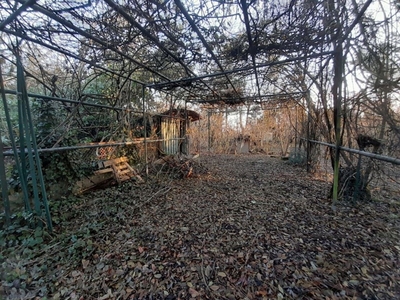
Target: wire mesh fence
(361,172)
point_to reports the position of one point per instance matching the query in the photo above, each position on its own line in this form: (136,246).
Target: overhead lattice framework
(204,51)
(214,51)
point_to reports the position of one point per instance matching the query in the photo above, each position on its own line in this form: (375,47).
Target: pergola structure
(202,47)
(207,52)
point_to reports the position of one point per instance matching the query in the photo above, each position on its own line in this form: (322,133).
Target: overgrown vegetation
(287,79)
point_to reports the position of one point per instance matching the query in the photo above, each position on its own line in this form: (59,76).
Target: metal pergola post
(36,174)
(13,143)
(28,165)
(23,176)
(186,141)
(145,129)
(4,185)
(209,129)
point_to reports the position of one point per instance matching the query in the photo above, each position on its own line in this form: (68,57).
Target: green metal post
(13,144)
(186,125)
(22,98)
(36,173)
(23,175)
(4,185)
(39,169)
(145,130)
(209,129)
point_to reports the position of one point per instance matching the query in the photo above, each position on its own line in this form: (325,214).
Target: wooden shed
(173,130)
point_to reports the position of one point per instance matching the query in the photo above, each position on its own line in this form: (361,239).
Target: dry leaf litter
(252,227)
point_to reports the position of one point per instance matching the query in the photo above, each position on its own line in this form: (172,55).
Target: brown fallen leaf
(193,293)
(283,246)
(75,273)
(85,263)
(261,293)
(208,271)
(221,274)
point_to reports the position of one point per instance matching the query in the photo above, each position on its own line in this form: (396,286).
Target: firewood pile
(179,166)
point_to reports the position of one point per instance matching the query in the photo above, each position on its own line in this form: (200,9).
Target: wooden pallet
(120,168)
(110,171)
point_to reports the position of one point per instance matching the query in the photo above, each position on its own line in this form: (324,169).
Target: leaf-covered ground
(252,228)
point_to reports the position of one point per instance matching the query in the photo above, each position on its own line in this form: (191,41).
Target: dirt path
(253,228)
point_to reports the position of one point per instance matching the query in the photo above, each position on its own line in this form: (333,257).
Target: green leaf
(38,232)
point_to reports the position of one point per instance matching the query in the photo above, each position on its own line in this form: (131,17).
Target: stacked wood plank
(110,172)
(120,168)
